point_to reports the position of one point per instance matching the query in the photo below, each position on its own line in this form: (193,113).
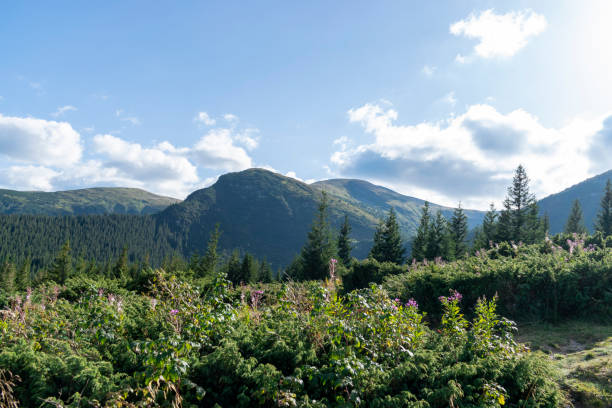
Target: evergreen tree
(458,232)
(438,242)
(489,226)
(208,263)
(519,219)
(8,277)
(233,268)
(545,225)
(419,244)
(344,242)
(534,230)
(265,274)
(604,217)
(320,246)
(248,269)
(388,245)
(24,278)
(62,265)
(575,220)
(120,269)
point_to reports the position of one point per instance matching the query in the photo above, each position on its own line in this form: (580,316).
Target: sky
(438,100)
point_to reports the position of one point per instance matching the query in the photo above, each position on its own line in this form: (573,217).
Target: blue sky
(439,100)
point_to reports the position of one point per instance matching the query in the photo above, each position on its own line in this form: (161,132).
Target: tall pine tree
(344,242)
(438,243)
(519,220)
(458,232)
(575,220)
(62,265)
(419,244)
(604,217)
(388,245)
(320,246)
(208,263)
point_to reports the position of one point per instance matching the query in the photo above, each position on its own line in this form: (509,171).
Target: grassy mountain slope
(270,215)
(102,200)
(589,192)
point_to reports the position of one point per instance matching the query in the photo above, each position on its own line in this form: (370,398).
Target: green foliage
(388,245)
(320,246)
(458,232)
(62,266)
(344,242)
(421,240)
(604,216)
(575,221)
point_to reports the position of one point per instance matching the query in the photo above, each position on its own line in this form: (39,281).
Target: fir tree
(604,217)
(458,232)
(248,269)
(388,245)
(265,273)
(419,244)
(208,263)
(575,220)
(233,268)
(344,242)
(489,226)
(519,219)
(120,269)
(8,277)
(438,242)
(320,246)
(62,265)
(24,278)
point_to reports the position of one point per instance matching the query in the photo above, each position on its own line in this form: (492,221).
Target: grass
(582,351)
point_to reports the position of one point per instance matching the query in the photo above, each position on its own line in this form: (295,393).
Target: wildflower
(455,296)
(412,303)
(174,312)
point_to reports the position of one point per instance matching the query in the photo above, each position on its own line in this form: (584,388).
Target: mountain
(589,192)
(102,200)
(270,215)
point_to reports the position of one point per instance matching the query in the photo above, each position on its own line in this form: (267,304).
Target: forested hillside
(100,200)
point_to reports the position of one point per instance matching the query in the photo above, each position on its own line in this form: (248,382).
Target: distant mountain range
(588,192)
(262,212)
(102,200)
(270,215)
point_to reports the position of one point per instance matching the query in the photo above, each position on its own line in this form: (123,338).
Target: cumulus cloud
(470,157)
(217,150)
(46,155)
(30,177)
(38,141)
(63,109)
(204,118)
(499,35)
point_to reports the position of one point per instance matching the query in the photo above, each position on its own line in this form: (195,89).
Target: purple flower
(412,303)
(174,312)
(455,296)
(396,300)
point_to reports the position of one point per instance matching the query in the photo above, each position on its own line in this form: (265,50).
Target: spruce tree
(320,246)
(489,226)
(344,242)
(24,278)
(8,277)
(208,263)
(438,242)
(233,267)
(265,273)
(519,220)
(604,217)
(458,232)
(62,265)
(419,244)
(120,269)
(388,245)
(248,269)
(575,220)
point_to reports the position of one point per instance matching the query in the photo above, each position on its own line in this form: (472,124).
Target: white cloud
(499,35)
(63,109)
(30,177)
(470,157)
(217,150)
(429,70)
(204,118)
(229,117)
(158,166)
(38,141)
